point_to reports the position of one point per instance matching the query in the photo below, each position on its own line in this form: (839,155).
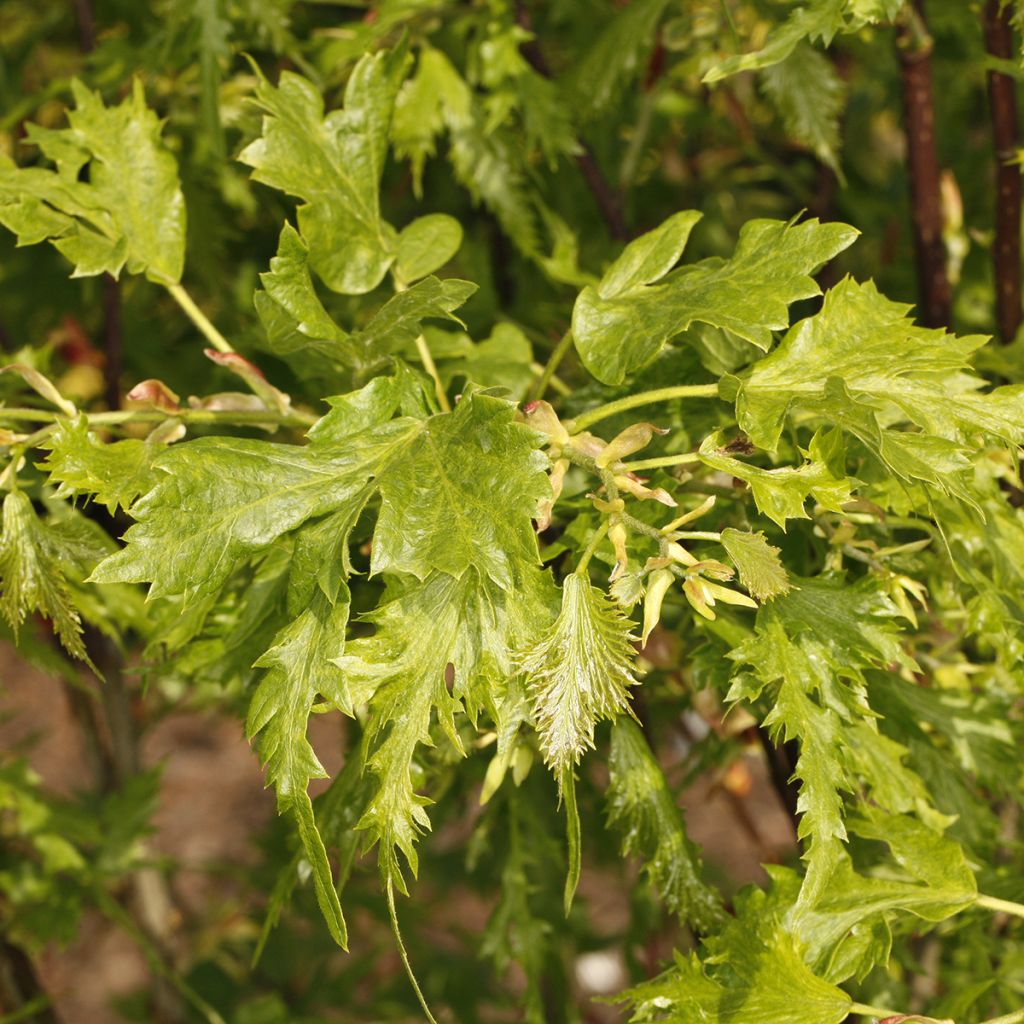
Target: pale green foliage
(128,213)
(761,571)
(641,805)
(426,245)
(782,493)
(333,163)
(862,364)
(37,557)
(113,474)
(579,673)
(621,324)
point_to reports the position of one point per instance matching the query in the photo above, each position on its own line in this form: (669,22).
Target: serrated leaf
(782,493)
(301,667)
(753,973)
(761,571)
(333,163)
(598,77)
(426,245)
(36,558)
(643,808)
(128,211)
(578,673)
(809,96)
(618,332)
(463,495)
(113,474)
(862,364)
(467,623)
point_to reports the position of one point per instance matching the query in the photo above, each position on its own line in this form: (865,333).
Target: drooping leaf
(301,667)
(36,559)
(643,808)
(622,323)
(808,93)
(599,76)
(578,673)
(128,211)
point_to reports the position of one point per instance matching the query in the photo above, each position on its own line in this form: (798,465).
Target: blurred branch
(1002,95)
(21,992)
(914,50)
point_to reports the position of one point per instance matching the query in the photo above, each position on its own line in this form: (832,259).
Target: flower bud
(542,417)
(657,586)
(630,440)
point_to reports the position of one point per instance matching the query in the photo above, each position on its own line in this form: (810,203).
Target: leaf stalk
(602,412)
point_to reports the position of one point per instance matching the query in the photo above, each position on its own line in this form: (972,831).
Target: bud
(630,440)
(657,586)
(617,535)
(557,479)
(542,417)
(633,485)
(679,554)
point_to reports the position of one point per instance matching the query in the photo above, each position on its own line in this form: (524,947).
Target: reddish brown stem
(914,48)
(1002,96)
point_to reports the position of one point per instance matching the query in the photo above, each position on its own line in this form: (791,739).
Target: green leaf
(809,96)
(621,324)
(219,500)
(463,494)
(114,200)
(642,806)
(760,568)
(113,474)
(782,493)
(467,623)
(294,318)
(334,164)
(36,559)
(599,76)
(426,245)
(754,973)
(578,673)
(862,364)
(301,667)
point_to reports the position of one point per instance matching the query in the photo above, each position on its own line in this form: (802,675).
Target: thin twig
(602,412)
(1002,95)
(200,319)
(554,361)
(914,49)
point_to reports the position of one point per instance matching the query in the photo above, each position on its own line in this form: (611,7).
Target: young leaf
(643,808)
(114,200)
(622,323)
(760,569)
(578,673)
(426,245)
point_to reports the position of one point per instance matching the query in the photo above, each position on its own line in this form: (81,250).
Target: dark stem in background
(608,200)
(20,989)
(86,25)
(781,760)
(1002,96)
(914,49)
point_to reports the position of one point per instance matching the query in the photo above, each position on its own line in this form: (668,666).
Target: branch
(914,49)
(1002,96)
